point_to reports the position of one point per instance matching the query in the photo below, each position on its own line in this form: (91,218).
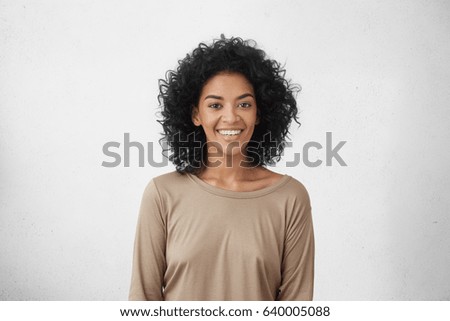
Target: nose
(230,114)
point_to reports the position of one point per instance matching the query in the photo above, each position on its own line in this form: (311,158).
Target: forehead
(227,82)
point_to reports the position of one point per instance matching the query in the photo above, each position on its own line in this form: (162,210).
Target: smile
(229,132)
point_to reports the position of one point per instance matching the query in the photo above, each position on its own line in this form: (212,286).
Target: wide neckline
(236,194)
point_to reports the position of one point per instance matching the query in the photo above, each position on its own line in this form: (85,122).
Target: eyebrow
(221,98)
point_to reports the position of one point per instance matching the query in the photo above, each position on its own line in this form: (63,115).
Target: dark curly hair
(180,92)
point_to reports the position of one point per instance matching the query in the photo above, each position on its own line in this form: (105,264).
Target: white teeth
(230,132)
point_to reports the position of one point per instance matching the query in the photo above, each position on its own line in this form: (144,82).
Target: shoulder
(170,178)
(297,199)
(296,188)
(168,183)
(299,202)
(289,187)
(160,190)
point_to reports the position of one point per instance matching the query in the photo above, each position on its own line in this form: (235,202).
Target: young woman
(223,226)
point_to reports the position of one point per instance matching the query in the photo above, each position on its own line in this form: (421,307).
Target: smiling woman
(223,226)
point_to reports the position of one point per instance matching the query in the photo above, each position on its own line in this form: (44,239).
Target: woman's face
(227,112)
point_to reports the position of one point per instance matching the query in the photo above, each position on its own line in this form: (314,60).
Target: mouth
(230,132)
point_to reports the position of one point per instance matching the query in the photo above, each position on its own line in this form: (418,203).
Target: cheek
(251,121)
(209,124)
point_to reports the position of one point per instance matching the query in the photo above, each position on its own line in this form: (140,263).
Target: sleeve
(149,263)
(297,268)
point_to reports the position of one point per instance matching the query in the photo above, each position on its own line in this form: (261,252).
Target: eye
(214,106)
(245,105)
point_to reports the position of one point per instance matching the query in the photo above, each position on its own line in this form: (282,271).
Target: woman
(222,226)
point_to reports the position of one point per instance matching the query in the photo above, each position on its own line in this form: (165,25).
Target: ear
(195,118)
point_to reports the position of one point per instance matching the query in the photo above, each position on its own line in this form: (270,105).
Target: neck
(227,168)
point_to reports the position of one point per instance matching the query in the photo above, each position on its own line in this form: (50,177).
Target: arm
(149,262)
(297,268)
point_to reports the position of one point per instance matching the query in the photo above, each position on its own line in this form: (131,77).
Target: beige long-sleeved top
(195,241)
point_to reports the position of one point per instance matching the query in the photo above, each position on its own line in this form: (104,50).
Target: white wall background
(77,74)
